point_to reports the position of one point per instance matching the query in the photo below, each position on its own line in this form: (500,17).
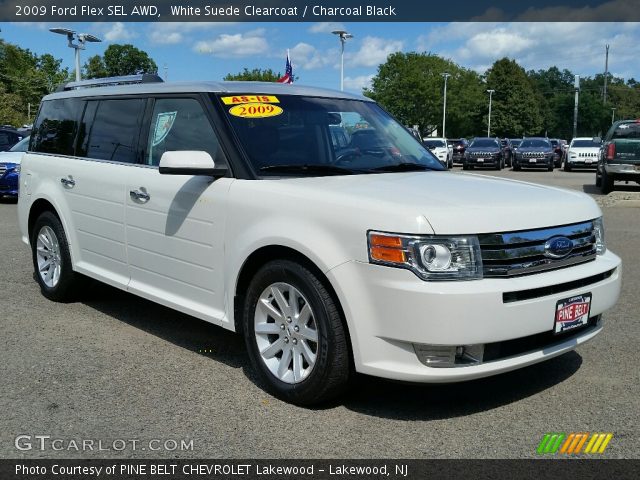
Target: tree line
(26,77)
(524,103)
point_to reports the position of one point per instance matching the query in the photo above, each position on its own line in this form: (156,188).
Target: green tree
(410,86)
(255,75)
(120,60)
(94,68)
(515,109)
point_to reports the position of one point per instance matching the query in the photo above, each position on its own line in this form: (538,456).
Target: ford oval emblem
(558,247)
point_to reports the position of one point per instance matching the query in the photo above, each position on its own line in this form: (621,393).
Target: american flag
(288,72)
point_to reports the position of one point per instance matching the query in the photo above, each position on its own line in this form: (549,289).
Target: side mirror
(189,162)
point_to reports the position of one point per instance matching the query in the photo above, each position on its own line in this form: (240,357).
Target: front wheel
(567,166)
(52,259)
(295,335)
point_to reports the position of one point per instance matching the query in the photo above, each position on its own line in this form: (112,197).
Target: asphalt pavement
(112,368)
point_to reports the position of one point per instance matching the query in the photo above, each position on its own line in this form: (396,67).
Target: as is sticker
(255,110)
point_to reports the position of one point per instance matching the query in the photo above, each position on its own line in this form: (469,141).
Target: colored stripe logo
(574,443)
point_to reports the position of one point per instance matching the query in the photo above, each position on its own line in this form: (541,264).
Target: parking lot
(114,366)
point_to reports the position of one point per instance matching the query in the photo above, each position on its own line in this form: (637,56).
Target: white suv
(231,203)
(583,152)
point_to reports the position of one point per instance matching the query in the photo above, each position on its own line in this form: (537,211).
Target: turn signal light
(611,151)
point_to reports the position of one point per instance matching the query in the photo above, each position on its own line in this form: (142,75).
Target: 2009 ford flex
(232,203)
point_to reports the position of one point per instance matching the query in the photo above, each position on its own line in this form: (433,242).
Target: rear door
(175,223)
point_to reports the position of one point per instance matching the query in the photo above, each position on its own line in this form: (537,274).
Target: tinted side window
(56,126)
(113,135)
(180,124)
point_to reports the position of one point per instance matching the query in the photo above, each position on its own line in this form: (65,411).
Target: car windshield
(627,130)
(291,135)
(434,143)
(585,144)
(535,144)
(21,146)
(483,143)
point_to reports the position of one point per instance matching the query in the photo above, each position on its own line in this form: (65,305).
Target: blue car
(10,168)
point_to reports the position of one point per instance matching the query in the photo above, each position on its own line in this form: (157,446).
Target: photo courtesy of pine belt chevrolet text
(313,224)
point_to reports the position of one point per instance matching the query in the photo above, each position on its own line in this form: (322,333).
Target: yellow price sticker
(239,99)
(255,110)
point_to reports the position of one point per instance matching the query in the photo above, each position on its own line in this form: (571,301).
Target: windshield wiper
(403,167)
(307,168)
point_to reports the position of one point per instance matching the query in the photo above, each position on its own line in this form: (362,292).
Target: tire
(567,166)
(52,260)
(598,178)
(465,166)
(516,167)
(327,358)
(606,185)
(550,167)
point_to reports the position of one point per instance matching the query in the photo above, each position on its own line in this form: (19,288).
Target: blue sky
(208,51)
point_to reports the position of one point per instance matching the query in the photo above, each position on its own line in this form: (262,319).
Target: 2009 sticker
(255,110)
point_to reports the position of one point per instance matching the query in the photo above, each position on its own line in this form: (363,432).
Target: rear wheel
(606,185)
(52,259)
(294,334)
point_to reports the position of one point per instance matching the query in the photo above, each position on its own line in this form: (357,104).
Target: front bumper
(390,310)
(540,162)
(582,162)
(482,161)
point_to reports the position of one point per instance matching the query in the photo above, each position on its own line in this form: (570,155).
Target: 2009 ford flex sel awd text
(231,202)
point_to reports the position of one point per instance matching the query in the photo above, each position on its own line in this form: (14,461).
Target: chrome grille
(482,154)
(3,169)
(534,154)
(587,154)
(523,253)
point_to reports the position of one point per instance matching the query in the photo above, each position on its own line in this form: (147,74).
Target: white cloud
(236,45)
(373,51)
(576,46)
(170,33)
(358,83)
(307,57)
(326,27)
(114,32)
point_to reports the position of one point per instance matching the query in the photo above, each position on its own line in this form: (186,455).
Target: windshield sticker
(255,110)
(164,122)
(249,99)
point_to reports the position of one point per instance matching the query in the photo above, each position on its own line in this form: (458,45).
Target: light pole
(444,107)
(613,115)
(343,38)
(490,92)
(576,85)
(82,38)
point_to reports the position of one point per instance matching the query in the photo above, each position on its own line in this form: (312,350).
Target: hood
(584,149)
(448,202)
(535,149)
(483,149)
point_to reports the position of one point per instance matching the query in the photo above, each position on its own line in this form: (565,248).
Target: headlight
(598,232)
(430,257)
(16,169)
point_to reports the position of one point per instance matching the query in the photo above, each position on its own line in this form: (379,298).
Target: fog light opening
(444,356)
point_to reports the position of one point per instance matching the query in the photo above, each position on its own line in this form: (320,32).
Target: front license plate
(572,313)
(532,160)
(588,161)
(481,160)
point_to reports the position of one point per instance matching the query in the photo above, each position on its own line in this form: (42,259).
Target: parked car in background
(583,152)
(458,146)
(619,158)
(8,138)
(507,151)
(558,153)
(439,147)
(10,168)
(483,152)
(534,152)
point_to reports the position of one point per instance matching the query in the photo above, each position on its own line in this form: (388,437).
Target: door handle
(68,182)
(140,196)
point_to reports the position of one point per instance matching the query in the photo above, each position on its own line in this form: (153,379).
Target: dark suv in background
(558,152)
(619,155)
(484,152)
(459,147)
(534,152)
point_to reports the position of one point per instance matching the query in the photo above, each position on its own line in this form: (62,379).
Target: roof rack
(110,81)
